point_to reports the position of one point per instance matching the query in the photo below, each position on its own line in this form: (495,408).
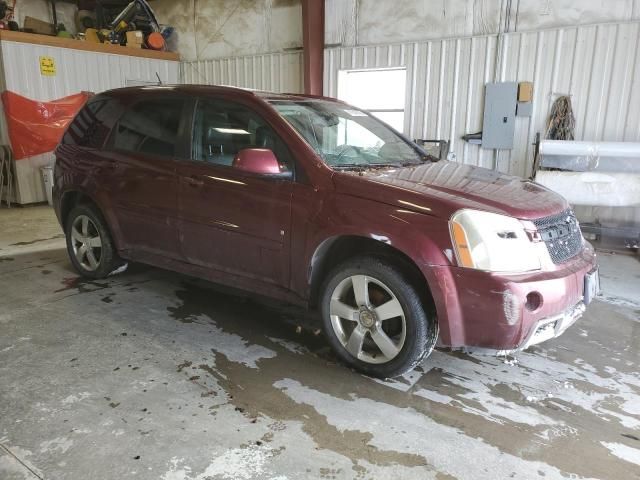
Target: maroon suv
(320,204)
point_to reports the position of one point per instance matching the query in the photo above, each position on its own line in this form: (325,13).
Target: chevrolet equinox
(318,203)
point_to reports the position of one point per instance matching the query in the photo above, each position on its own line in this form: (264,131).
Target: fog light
(534,301)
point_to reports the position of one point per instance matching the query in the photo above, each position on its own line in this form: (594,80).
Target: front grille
(561,233)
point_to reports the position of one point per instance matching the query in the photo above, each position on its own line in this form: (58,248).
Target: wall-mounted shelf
(10,36)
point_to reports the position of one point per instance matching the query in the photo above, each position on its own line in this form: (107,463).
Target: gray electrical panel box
(524,109)
(498,125)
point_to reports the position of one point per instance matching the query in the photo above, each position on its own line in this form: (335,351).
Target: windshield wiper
(387,165)
(361,167)
(349,166)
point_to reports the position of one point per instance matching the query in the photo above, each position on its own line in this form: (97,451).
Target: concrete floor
(154,375)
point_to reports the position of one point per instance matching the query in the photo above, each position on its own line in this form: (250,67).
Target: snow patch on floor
(291,346)
(413,433)
(238,463)
(71,399)
(404,382)
(619,302)
(238,350)
(433,396)
(234,347)
(536,382)
(624,452)
(234,464)
(177,471)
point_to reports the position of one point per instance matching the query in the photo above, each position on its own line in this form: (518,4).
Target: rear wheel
(375,319)
(89,244)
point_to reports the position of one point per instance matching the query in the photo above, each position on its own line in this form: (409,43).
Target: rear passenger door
(234,221)
(145,145)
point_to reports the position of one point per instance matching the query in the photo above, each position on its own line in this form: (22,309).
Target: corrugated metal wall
(275,72)
(77,70)
(598,65)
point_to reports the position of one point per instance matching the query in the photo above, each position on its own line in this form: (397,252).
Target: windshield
(346,137)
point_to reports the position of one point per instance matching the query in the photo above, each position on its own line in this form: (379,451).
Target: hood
(441,188)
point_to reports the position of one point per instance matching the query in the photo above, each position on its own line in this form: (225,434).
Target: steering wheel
(343,150)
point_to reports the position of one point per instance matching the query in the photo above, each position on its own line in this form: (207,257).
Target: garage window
(380,91)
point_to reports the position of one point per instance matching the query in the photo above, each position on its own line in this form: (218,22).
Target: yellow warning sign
(47,66)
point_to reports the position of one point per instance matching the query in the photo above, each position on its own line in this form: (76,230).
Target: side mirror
(257,160)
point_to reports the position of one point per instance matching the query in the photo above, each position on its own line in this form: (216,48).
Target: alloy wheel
(368,319)
(86,243)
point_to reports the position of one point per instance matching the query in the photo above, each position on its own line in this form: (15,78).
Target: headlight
(492,242)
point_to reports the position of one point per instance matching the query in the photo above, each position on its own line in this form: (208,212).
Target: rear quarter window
(91,126)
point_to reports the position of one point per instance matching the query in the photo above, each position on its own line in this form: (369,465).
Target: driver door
(234,221)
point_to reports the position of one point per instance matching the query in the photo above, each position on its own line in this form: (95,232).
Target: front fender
(423,238)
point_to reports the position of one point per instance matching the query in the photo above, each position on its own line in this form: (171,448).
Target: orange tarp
(37,127)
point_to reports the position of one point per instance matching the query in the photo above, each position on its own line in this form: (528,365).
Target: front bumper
(482,310)
(553,327)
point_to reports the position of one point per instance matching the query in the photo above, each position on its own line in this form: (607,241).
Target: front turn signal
(462,245)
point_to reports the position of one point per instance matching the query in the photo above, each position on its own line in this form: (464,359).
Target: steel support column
(313,39)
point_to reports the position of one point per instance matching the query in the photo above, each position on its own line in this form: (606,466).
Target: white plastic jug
(47,177)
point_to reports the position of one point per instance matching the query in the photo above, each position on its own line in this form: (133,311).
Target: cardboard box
(38,26)
(91,35)
(135,39)
(525,92)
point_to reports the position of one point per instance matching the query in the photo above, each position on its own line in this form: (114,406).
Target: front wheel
(374,318)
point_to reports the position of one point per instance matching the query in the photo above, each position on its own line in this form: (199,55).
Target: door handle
(194,181)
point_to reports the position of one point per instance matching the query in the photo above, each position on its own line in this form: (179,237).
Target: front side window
(150,127)
(222,129)
(345,137)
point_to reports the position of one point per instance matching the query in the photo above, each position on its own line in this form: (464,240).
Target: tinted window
(223,128)
(150,127)
(91,127)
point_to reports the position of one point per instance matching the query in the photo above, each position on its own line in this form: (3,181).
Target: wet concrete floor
(154,375)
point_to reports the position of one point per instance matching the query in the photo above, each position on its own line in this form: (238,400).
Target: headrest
(264,138)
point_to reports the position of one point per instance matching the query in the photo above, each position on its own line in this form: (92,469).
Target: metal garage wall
(275,72)
(445,85)
(598,65)
(76,71)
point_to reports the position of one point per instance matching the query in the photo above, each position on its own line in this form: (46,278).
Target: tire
(105,258)
(413,332)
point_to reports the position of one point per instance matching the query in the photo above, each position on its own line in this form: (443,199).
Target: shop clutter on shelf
(115,22)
